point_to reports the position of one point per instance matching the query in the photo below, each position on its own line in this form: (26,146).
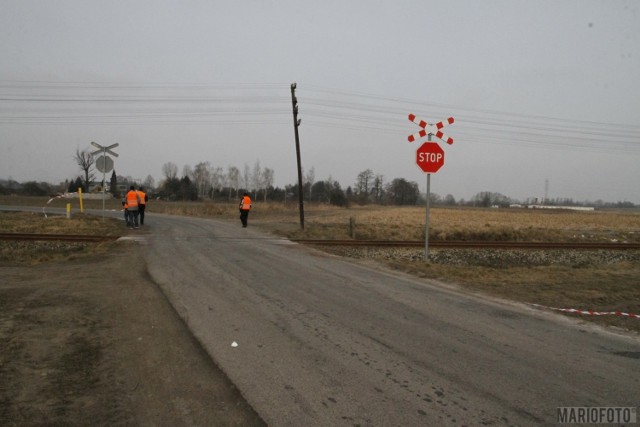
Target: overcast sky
(541,91)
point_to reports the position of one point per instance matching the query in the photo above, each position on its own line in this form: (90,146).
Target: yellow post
(68,210)
(80,196)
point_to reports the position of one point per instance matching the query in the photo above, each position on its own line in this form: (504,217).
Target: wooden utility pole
(296,123)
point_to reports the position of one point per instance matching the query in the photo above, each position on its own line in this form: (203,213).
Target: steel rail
(58,237)
(472,244)
(363,243)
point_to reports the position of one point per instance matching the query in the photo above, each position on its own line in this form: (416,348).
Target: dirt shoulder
(94,341)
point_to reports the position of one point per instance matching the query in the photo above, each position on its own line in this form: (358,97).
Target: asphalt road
(323,341)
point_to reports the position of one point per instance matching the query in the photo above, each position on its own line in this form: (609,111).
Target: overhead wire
(489,124)
(24,103)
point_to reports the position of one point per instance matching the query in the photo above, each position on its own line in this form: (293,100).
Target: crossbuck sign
(430,158)
(430,129)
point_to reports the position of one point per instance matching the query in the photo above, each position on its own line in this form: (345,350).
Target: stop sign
(430,157)
(104,164)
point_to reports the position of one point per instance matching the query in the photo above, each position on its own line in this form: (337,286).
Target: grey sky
(540,90)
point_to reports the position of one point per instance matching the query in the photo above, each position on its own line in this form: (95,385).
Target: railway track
(56,237)
(365,243)
(472,244)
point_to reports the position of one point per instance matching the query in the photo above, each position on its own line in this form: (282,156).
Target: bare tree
(310,178)
(149,183)
(363,185)
(402,192)
(187,171)
(85,160)
(216,178)
(256,178)
(202,178)
(233,176)
(246,177)
(449,200)
(170,170)
(266,180)
(378,189)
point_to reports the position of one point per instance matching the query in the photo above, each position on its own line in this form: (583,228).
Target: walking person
(125,207)
(143,203)
(245,207)
(133,202)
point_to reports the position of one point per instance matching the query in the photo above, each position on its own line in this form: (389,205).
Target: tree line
(206,181)
(329,191)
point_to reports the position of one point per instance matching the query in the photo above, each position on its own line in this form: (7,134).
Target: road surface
(324,341)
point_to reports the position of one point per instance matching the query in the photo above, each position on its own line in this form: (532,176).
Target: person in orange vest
(133,202)
(143,204)
(245,206)
(125,207)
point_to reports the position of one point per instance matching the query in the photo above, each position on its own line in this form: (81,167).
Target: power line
(24,103)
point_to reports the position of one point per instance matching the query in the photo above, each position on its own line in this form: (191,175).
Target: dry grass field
(407,223)
(15,252)
(400,223)
(587,280)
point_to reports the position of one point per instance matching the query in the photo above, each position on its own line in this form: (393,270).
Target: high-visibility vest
(245,205)
(132,199)
(143,197)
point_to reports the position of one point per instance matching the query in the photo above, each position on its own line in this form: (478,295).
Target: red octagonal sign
(430,157)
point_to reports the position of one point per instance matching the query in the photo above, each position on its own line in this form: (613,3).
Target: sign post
(426,224)
(429,158)
(104,164)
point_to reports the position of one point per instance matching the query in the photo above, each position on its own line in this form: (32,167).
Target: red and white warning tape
(60,196)
(590,312)
(432,129)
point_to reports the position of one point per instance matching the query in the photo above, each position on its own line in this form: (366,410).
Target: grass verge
(17,252)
